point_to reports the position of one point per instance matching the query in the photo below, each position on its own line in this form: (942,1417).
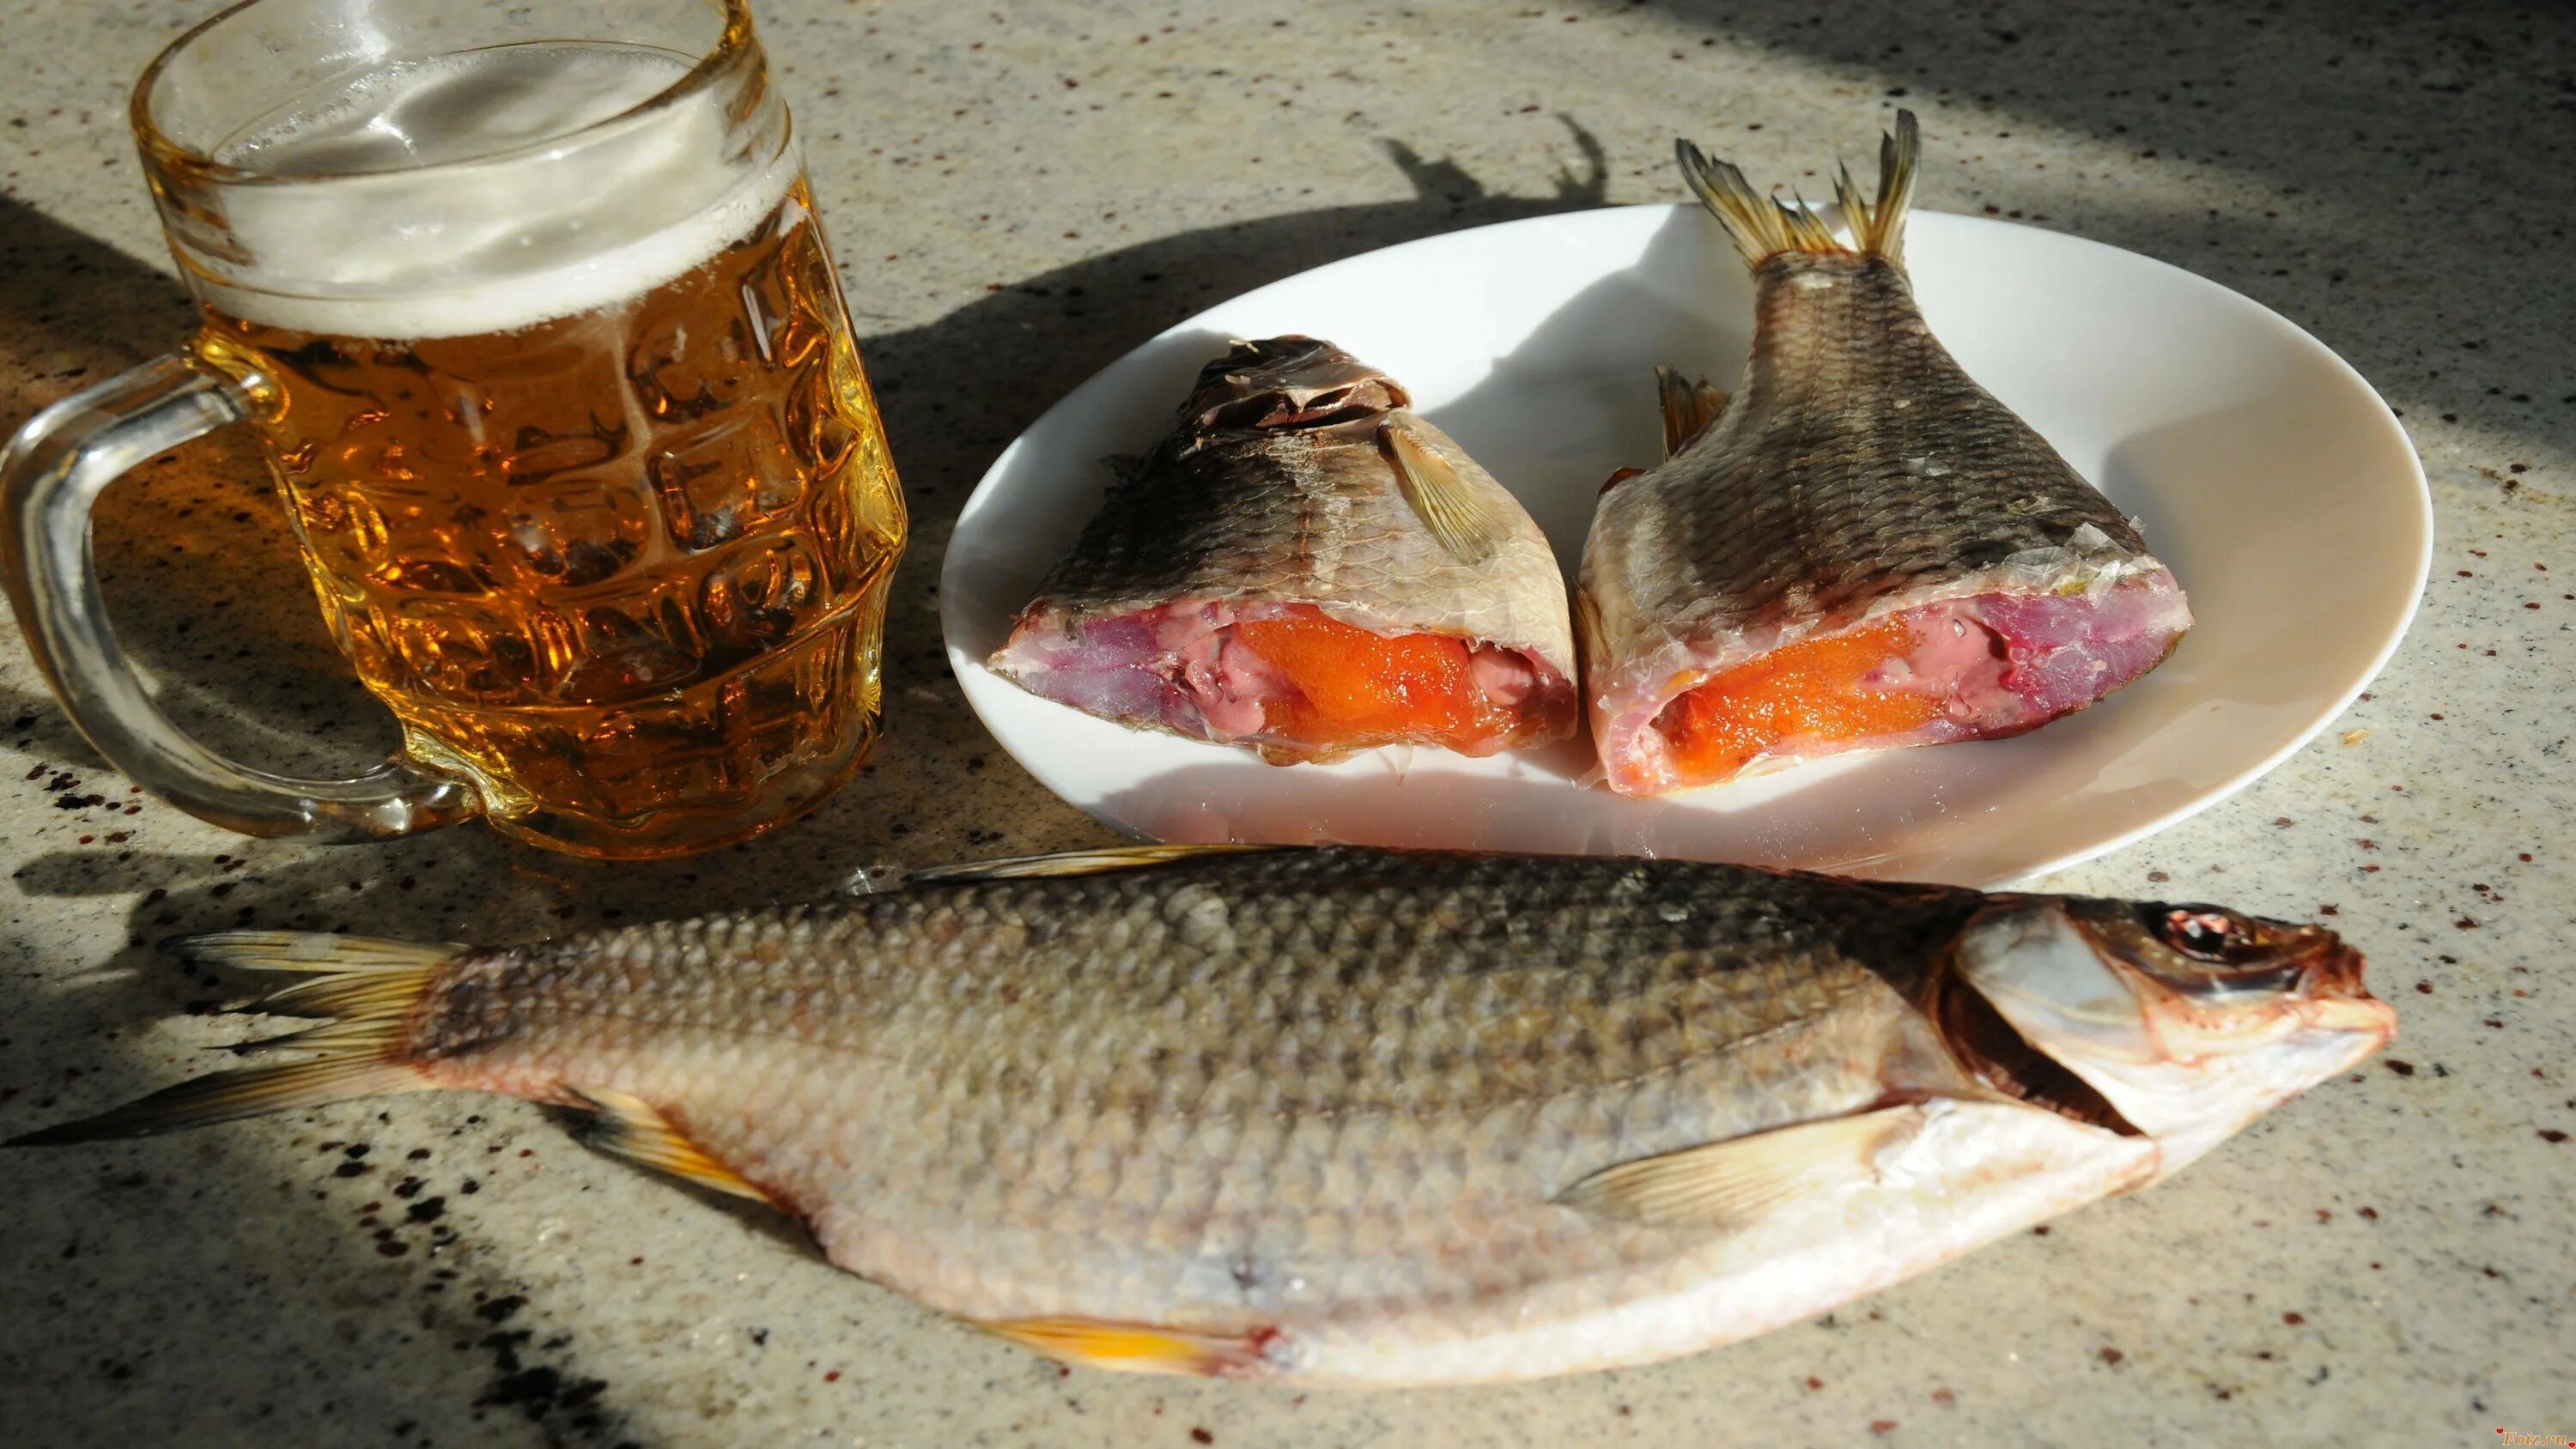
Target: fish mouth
(2336,1001)
(2320,988)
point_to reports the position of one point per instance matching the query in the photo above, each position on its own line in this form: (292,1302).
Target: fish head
(2190,1021)
(1286,384)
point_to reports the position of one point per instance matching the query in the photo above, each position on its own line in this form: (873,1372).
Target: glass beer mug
(528,305)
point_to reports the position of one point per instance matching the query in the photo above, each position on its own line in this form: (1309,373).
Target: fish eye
(2201,932)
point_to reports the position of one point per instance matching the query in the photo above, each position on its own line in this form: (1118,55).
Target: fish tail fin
(1878,224)
(1759,226)
(1763,227)
(370,988)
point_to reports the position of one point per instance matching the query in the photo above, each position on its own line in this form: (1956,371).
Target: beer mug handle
(50,475)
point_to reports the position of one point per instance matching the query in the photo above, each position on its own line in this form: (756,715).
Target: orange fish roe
(1355,688)
(1809,691)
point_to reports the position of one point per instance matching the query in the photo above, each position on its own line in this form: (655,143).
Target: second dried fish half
(1303,566)
(1861,548)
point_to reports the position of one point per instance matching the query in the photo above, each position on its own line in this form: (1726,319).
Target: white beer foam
(420,201)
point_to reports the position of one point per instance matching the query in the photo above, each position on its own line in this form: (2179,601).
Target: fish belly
(1293,681)
(1984,667)
(1982,1171)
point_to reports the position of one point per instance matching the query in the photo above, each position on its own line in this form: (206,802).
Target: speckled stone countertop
(1018,194)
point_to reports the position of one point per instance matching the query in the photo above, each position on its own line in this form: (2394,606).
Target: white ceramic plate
(2268,474)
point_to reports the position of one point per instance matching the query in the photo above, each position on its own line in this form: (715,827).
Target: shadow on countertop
(2403,142)
(212,601)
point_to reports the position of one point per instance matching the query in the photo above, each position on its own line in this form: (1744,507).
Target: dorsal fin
(1688,406)
(1763,227)
(1074,862)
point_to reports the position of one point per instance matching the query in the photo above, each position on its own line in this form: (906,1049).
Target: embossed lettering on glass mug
(548,356)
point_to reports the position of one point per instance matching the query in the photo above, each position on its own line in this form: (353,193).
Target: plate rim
(973,678)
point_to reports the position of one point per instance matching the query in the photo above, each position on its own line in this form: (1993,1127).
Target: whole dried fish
(1359,1117)
(1864,548)
(1305,567)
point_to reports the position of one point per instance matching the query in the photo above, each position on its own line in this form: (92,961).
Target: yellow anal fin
(1688,406)
(1462,518)
(636,1130)
(1732,1183)
(1073,862)
(1145,1348)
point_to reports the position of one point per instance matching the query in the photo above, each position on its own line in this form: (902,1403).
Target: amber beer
(606,519)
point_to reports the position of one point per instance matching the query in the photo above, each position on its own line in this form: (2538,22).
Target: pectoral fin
(636,1130)
(1464,519)
(1143,1348)
(1688,406)
(1730,1183)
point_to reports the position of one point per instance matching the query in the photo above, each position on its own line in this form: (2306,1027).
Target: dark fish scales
(1864,548)
(1304,567)
(1358,1117)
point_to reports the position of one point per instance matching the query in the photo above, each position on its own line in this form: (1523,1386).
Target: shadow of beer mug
(543,344)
